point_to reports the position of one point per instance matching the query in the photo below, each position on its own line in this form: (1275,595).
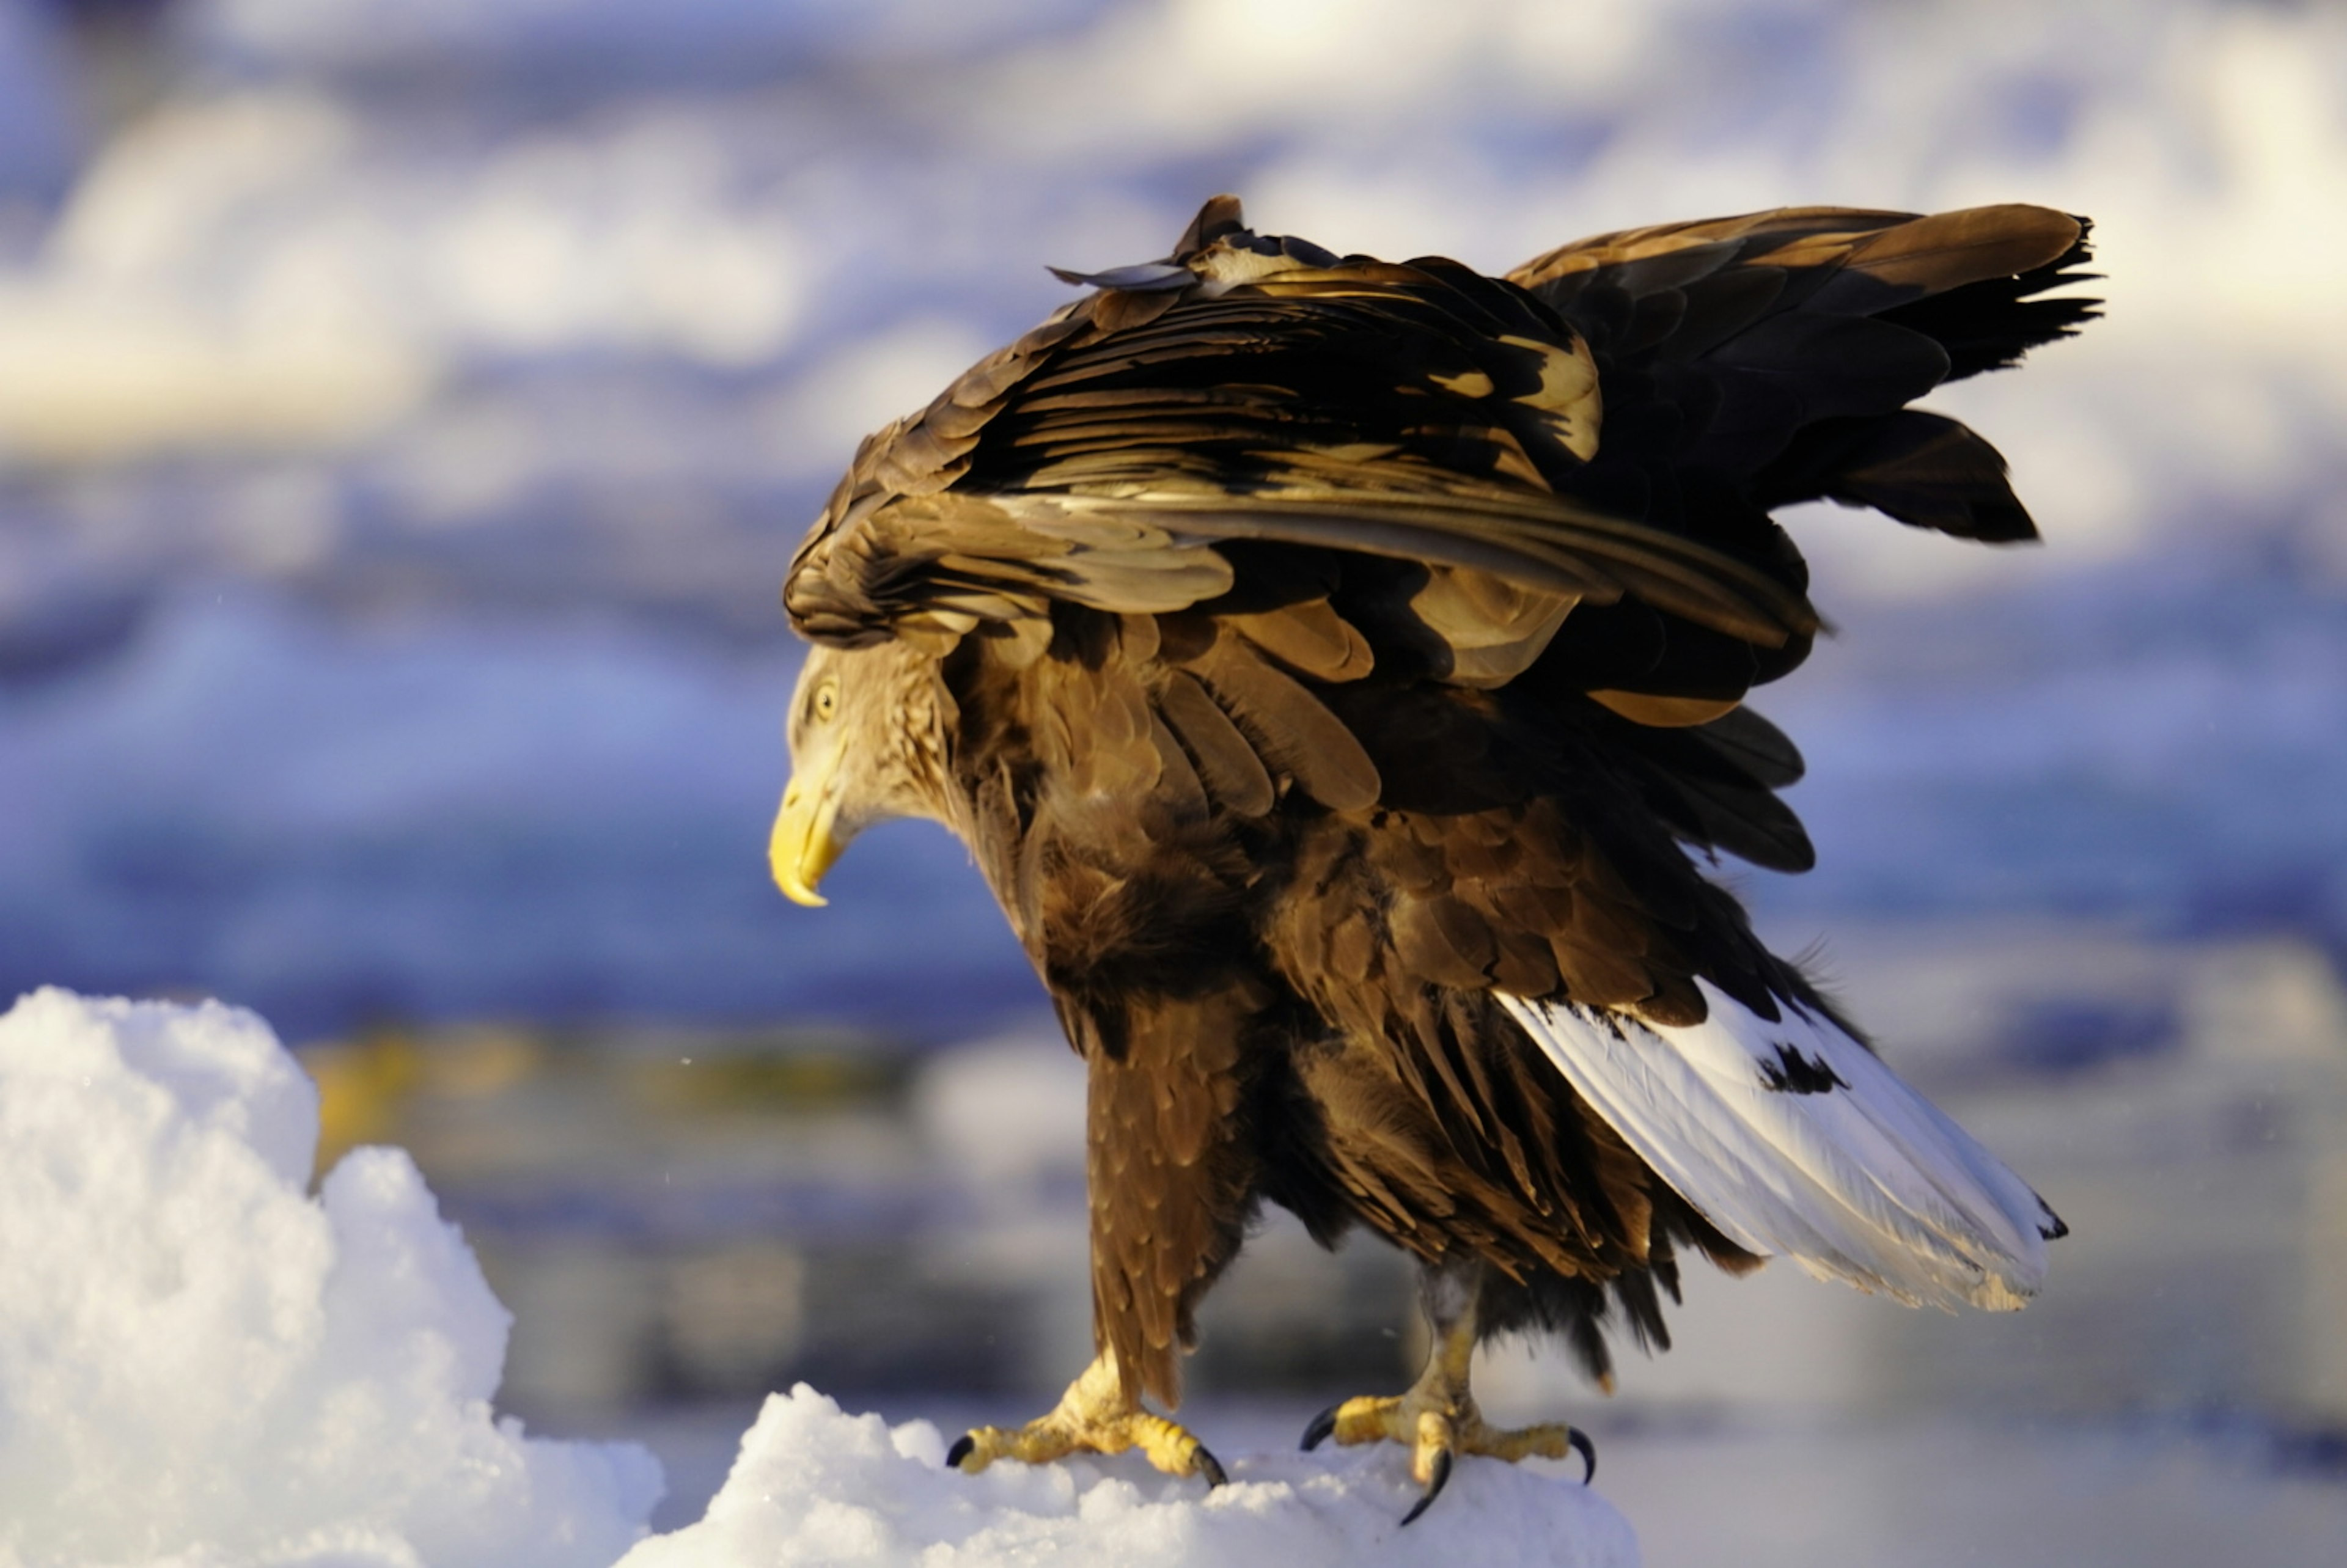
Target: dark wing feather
(1781,347)
(1420,412)
(1225,762)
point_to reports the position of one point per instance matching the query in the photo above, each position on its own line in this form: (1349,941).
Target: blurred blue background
(408,407)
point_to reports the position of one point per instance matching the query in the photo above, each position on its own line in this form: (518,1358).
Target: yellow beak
(802,848)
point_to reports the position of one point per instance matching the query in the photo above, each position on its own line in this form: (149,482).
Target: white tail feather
(1794,1138)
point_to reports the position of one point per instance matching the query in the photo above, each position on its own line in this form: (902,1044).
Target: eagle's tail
(1793,1138)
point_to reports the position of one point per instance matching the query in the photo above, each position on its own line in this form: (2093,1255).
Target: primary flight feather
(1336,668)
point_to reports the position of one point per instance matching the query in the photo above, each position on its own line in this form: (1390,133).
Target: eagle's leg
(1437,1418)
(1094,1416)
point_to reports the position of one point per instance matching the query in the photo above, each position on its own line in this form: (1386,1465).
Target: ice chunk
(201,1363)
(813,1485)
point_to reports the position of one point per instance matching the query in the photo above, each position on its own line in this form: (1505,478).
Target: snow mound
(201,1364)
(813,1485)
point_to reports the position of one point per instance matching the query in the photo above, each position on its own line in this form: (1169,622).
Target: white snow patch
(815,1485)
(202,1364)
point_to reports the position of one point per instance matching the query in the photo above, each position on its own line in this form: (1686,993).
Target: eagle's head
(867,744)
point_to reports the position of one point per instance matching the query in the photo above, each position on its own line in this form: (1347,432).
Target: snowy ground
(1804,1491)
(204,1363)
(811,1486)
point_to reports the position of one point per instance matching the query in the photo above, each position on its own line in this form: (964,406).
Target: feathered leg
(1094,1416)
(1169,1181)
(1437,1418)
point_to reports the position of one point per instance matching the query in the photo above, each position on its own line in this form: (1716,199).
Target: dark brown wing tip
(2064,268)
(1218,217)
(2055,232)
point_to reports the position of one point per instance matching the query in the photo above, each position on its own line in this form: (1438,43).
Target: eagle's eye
(827,699)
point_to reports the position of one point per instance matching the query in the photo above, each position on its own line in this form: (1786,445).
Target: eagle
(1336,668)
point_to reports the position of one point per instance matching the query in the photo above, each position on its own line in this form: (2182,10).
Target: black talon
(1322,1425)
(1210,1467)
(1579,1441)
(1433,1488)
(961,1450)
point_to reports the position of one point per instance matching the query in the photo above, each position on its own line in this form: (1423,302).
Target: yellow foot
(1091,1417)
(1435,1428)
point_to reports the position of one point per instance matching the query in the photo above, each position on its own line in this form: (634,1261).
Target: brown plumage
(1316,652)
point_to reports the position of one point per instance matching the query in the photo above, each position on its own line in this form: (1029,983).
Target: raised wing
(1581,457)
(1259,390)
(1779,349)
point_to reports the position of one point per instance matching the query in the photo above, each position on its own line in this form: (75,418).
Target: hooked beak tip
(799,893)
(802,848)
